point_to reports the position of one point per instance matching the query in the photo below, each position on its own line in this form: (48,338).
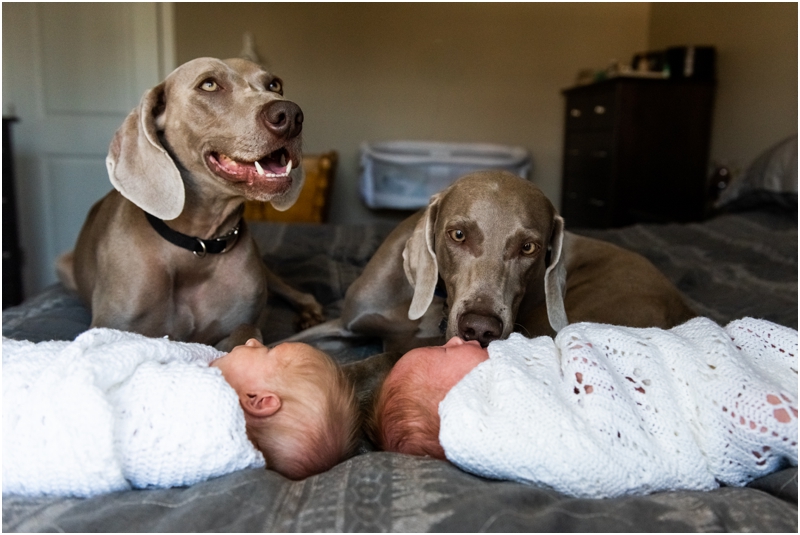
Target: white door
(71,73)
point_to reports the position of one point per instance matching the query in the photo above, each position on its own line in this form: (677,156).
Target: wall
(482,72)
(756,101)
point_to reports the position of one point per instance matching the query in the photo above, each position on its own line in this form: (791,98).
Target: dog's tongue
(274,164)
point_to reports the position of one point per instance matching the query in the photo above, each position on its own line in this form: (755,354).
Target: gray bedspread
(731,266)
(735,265)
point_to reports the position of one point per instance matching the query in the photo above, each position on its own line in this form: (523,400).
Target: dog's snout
(478,327)
(283,118)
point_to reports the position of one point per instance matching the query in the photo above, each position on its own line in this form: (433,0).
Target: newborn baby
(114,410)
(300,411)
(601,410)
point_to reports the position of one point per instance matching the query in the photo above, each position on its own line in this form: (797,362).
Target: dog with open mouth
(167,253)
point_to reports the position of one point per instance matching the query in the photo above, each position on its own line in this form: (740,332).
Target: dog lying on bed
(167,252)
(490,256)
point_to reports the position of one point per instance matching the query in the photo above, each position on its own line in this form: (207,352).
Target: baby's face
(253,365)
(443,366)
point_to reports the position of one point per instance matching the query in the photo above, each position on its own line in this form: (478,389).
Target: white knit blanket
(604,411)
(115,410)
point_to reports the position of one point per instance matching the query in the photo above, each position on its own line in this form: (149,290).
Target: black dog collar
(198,246)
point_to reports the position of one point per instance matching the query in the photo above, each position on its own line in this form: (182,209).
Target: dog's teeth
(259,168)
(289,167)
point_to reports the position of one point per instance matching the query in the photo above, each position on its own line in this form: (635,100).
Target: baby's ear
(261,404)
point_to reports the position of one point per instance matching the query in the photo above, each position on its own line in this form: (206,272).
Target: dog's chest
(206,309)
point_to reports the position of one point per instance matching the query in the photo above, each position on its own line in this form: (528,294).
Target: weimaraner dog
(489,256)
(167,252)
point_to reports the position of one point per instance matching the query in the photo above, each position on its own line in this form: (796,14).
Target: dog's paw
(310,314)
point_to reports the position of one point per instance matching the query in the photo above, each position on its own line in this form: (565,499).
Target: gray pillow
(771,178)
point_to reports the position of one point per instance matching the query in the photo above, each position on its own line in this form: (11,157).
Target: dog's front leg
(239,336)
(309,309)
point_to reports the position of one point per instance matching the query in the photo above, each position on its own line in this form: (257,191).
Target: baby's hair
(317,425)
(402,420)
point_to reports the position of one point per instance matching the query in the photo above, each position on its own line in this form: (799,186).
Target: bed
(742,262)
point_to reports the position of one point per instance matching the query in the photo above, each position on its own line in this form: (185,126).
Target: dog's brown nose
(283,118)
(478,327)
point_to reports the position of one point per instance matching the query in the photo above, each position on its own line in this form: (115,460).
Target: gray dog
(489,256)
(168,253)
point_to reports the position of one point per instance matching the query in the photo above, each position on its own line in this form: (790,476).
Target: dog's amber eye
(275,86)
(210,85)
(528,248)
(456,235)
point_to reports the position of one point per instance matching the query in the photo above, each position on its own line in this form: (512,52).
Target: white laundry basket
(404,174)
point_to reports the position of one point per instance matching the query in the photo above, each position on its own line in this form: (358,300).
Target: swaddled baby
(114,410)
(601,410)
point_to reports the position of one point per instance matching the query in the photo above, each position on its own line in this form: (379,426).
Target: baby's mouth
(275,165)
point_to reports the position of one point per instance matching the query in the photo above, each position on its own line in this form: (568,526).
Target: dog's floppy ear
(285,201)
(139,167)
(555,278)
(419,261)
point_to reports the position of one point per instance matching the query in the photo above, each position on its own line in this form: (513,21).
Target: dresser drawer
(586,202)
(590,111)
(580,210)
(588,156)
(595,145)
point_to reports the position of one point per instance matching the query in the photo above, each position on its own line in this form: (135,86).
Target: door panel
(86,65)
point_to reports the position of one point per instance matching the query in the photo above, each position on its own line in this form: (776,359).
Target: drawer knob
(575,112)
(597,202)
(599,110)
(599,153)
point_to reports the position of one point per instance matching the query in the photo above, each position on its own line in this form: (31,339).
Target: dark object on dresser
(12,255)
(636,150)
(692,62)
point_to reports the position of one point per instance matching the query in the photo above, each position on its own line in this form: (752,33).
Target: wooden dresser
(636,150)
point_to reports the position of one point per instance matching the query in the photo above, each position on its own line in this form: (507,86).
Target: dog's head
(492,239)
(221,125)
